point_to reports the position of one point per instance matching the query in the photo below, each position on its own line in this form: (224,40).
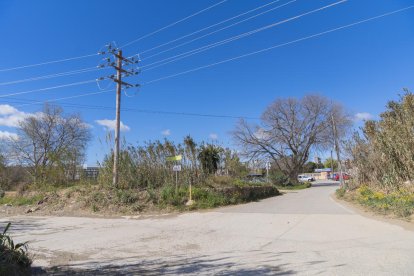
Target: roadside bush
(279,179)
(206,198)
(11,177)
(219,180)
(214,197)
(2,193)
(21,200)
(382,154)
(170,196)
(399,203)
(14,259)
(382,163)
(149,165)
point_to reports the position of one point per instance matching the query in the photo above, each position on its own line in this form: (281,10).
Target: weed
(13,257)
(399,203)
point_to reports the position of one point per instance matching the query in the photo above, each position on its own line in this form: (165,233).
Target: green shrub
(169,195)
(279,179)
(206,198)
(2,193)
(13,257)
(240,183)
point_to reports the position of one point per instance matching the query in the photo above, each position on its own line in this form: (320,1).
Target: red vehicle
(345,176)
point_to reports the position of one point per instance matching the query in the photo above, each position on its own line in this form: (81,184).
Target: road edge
(360,210)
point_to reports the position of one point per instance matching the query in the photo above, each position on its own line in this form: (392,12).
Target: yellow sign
(174,158)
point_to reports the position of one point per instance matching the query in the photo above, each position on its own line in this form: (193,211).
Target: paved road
(302,232)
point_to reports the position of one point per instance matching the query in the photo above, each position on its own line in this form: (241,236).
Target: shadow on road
(19,225)
(174,265)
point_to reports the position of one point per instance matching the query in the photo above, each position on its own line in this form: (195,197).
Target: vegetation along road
(302,232)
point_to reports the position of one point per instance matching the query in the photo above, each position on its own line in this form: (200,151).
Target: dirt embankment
(95,201)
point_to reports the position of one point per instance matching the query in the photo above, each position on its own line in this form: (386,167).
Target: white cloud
(110,124)
(166,132)
(363,116)
(213,136)
(5,135)
(11,117)
(261,134)
(6,109)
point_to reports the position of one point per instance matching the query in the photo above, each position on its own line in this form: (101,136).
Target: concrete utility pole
(118,81)
(335,132)
(120,73)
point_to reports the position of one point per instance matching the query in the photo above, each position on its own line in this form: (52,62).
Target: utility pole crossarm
(118,81)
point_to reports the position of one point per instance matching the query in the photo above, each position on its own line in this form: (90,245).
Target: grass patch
(21,200)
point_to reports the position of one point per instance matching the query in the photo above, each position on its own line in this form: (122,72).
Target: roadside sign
(174,158)
(177,168)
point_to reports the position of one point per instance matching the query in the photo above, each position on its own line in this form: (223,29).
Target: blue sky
(362,67)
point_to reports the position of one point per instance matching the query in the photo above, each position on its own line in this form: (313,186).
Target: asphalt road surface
(303,232)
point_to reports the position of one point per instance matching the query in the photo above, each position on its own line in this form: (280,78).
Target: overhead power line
(95,54)
(146,111)
(234,38)
(172,24)
(50,76)
(47,62)
(224,61)
(89,69)
(281,45)
(208,27)
(47,88)
(66,98)
(219,30)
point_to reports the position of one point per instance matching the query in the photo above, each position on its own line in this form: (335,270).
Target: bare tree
(51,145)
(290,128)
